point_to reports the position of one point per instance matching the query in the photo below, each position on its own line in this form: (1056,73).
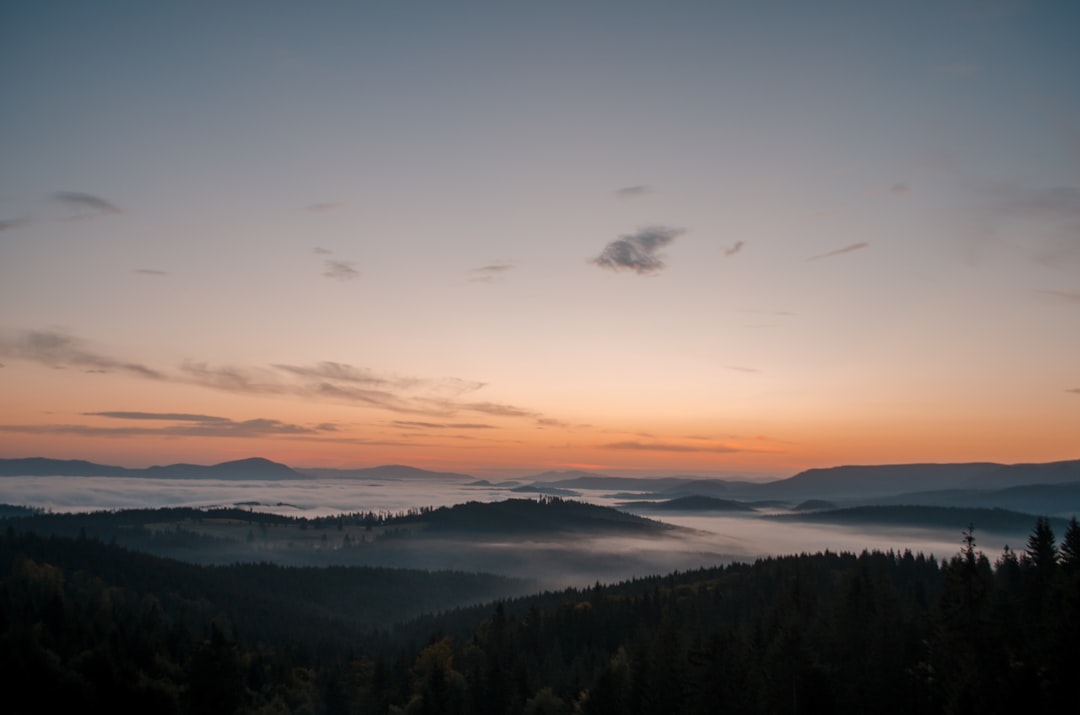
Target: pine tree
(1041,550)
(1070,548)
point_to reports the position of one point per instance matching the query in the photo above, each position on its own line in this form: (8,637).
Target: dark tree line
(838,633)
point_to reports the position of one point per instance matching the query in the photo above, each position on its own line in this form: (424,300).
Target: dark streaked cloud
(900,189)
(736,248)
(496,409)
(840,251)
(260,427)
(340,372)
(320,251)
(150,272)
(231,379)
(441,425)
(12,223)
(740,368)
(329,370)
(669,447)
(638,252)
(163,416)
(487,274)
(1069,296)
(344,383)
(340,270)
(629,192)
(86,202)
(59,350)
(440,398)
(543,422)
(1074,390)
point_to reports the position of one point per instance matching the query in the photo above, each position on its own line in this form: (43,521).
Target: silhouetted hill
(42,467)
(545,516)
(314,603)
(253,468)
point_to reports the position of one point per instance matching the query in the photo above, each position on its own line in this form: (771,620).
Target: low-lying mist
(554,560)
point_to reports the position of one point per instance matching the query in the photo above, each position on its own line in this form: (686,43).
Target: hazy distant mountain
(254,468)
(930,517)
(1032,498)
(386,471)
(861,482)
(813,505)
(1020,474)
(877,480)
(41,467)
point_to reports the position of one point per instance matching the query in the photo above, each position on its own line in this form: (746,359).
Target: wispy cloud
(846,249)
(95,205)
(732,250)
(409,424)
(12,224)
(336,371)
(150,272)
(630,192)
(670,447)
(638,252)
(245,429)
(900,189)
(162,416)
(58,350)
(320,251)
(495,409)
(340,270)
(489,273)
(1074,390)
(439,398)
(740,368)
(1068,296)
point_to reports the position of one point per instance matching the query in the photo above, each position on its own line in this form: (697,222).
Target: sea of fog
(718,536)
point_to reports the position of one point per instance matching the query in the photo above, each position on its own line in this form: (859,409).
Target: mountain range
(985,484)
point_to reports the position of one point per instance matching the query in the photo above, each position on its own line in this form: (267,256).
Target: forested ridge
(90,626)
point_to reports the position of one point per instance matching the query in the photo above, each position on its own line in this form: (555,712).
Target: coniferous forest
(92,627)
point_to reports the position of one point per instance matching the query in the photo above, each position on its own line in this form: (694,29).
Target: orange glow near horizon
(512,450)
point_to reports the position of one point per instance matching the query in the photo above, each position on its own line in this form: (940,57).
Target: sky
(715,238)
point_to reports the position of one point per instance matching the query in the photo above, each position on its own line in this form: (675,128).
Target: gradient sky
(683,237)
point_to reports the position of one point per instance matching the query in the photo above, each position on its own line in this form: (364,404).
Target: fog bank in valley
(702,540)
